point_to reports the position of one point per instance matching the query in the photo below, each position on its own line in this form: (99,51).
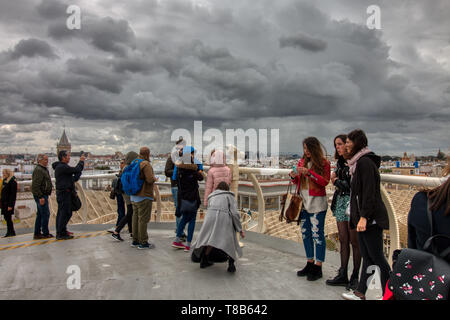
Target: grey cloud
(106,34)
(52,9)
(303,41)
(33,48)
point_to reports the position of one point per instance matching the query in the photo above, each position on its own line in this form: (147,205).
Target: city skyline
(136,71)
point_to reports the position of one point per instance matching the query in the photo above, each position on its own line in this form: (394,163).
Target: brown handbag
(292,212)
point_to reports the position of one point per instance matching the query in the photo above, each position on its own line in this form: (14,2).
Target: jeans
(120,208)
(187,219)
(42,217)
(64,214)
(371,247)
(175,201)
(312,227)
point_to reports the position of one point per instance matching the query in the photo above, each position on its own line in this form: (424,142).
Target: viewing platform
(114,270)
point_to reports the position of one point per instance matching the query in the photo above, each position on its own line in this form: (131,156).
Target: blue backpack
(131,183)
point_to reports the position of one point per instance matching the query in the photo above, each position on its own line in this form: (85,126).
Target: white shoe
(351,296)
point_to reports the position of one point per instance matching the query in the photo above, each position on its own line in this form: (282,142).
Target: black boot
(231,266)
(204,262)
(340,280)
(316,273)
(353,283)
(306,270)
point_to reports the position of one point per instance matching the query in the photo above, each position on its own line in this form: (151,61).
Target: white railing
(252,172)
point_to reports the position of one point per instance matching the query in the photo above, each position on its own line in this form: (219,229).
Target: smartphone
(294,168)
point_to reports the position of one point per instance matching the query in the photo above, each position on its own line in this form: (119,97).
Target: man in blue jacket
(65,176)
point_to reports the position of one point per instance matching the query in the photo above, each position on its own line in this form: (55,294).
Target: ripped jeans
(312,226)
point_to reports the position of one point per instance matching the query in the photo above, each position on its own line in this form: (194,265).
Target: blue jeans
(187,219)
(120,208)
(42,217)
(312,226)
(175,202)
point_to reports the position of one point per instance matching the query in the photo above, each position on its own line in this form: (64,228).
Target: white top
(313,204)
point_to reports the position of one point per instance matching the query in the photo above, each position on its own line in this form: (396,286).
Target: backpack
(421,274)
(130,179)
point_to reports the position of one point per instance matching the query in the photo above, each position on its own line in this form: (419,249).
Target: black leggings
(371,246)
(347,237)
(9,223)
(128,219)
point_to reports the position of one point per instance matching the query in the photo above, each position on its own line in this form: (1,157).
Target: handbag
(292,212)
(76,202)
(421,274)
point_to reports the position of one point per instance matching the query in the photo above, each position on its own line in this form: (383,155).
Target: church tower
(63,144)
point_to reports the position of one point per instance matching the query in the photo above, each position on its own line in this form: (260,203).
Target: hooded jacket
(365,195)
(66,176)
(146,174)
(217,173)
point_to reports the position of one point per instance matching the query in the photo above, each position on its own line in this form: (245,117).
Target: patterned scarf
(352,162)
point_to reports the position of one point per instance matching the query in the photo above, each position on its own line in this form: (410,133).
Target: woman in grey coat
(219,228)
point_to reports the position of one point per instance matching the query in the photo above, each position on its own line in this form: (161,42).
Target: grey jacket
(221,223)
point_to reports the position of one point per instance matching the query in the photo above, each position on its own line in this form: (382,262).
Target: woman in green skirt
(340,205)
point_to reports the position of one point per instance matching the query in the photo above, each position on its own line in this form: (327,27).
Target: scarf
(352,162)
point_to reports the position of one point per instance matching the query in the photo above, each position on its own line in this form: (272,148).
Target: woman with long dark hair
(368,213)
(341,200)
(418,225)
(313,175)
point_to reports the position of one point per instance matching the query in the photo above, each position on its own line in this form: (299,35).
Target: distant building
(63,143)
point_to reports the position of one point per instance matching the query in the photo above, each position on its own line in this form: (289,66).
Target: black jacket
(66,176)
(188,185)
(9,195)
(342,182)
(419,229)
(365,196)
(168,171)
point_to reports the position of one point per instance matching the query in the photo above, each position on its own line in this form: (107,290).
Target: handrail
(252,172)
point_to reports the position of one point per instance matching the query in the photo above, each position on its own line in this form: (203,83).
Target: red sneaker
(186,248)
(69,233)
(178,245)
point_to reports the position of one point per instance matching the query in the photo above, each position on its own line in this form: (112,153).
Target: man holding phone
(65,176)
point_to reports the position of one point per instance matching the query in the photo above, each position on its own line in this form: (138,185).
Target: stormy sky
(139,69)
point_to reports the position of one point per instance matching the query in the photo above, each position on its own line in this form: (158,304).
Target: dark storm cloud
(146,68)
(33,48)
(52,9)
(106,34)
(303,41)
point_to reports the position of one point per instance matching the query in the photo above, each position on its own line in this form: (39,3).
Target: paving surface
(114,270)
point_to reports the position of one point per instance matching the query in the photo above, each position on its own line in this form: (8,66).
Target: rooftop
(114,270)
